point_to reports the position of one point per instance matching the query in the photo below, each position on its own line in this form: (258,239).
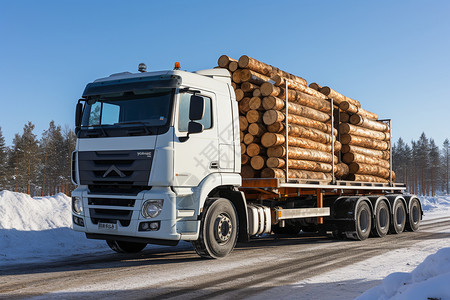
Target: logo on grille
(113,168)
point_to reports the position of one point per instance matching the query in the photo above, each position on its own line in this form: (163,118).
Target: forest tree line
(42,166)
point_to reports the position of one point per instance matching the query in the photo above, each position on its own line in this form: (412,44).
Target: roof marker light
(142,68)
(177,66)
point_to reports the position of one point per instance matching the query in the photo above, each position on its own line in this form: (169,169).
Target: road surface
(178,273)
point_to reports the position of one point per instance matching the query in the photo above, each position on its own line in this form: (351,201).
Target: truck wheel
(414,216)
(218,229)
(381,221)
(125,247)
(363,221)
(398,218)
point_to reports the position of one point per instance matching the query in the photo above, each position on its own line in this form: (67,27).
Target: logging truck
(161,157)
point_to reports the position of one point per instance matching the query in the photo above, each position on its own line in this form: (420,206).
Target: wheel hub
(223,228)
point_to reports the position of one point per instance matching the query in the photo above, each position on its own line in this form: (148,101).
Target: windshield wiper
(144,124)
(99,126)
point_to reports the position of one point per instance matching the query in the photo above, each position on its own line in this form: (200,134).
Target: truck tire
(125,247)
(218,230)
(363,221)
(381,220)
(398,218)
(413,221)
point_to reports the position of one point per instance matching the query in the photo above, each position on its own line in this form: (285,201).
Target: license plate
(107,226)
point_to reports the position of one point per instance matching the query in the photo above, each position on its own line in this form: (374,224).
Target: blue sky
(392,56)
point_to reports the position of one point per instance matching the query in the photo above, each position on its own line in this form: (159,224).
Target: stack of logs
(261,91)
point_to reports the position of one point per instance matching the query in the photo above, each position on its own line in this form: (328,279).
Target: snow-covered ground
(38,230)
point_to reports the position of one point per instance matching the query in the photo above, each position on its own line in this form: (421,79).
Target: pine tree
(446,165)
(52,156)
(434,166)
(3,162)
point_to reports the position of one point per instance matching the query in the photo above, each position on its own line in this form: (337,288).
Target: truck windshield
(149,109)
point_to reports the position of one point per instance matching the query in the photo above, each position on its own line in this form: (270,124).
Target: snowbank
(38,229)
(430,280)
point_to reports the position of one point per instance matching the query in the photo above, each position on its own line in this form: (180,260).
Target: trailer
(158,160)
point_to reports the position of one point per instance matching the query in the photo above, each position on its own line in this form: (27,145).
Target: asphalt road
(178,273)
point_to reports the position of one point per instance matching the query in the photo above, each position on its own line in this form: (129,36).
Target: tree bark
(366,178)
(368,123)
(305,132)
(361,158)
(347,106)
(292,85)
(274,162)
(298,174)
(346,128)
(365,169)
(301,153)
(246,62)
(270,139)
(337,97)
(272,116)
(252,77)
(364,142)
(365,151)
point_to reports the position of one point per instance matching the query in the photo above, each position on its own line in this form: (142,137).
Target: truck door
(198,156)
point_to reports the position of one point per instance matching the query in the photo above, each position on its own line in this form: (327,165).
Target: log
(258,162)
(313,102)
(268,89)
(265,69)
(254,116)
(249,138)
(256,129)
(301,153)
(233,66)
(299,174)
(255,65)
(234,85)
(366,178)
(365,151)
(272,116)
(344,117)
(361,158)
(252,77)
(244,106)
(347,106)
(315,86)
(279,81)
(364,142)
(243,148)
(255,149)
(257,93)
(236,77)
(337,97)
(310,113)
(248,87)
(365,169)
(346,128)
(270,139)
(248,172)
(244,159)
(224,60)
(255,103)
(275,162)
(240,94)
(304,132)
(241,136)
(243,123)
(368,123)
(341,170)
(271,102)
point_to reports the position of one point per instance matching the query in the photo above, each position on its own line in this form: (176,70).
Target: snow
(37,230)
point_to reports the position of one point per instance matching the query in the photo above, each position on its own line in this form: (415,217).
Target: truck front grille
(111,202)
(111,216)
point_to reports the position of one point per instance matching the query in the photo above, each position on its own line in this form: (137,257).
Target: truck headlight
(152,208)
(77,205)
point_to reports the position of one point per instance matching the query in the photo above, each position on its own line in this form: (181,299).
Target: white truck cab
(152,147)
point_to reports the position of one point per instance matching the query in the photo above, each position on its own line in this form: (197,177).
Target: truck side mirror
(196,108)
(195,127)
(78,112)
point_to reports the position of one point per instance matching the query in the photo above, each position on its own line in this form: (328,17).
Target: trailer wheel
(363,221)
(414,215)
(381,220)
(218,229)
(125,247)
(398,218)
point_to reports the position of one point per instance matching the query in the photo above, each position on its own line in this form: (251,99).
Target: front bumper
(177,222)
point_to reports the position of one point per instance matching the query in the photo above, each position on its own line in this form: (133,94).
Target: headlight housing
(152,208)
(77,205)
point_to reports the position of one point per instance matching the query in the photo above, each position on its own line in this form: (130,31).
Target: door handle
(214,165)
